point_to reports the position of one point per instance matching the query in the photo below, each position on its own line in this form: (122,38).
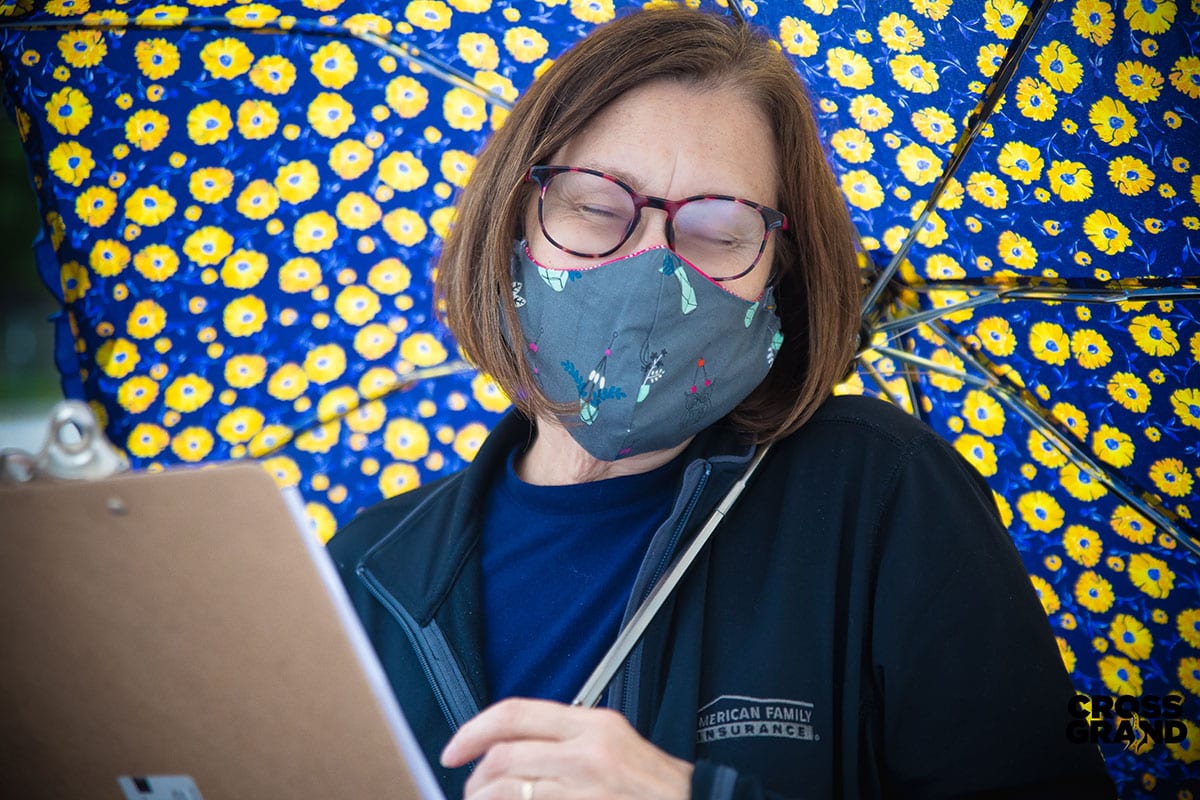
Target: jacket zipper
(447,682)
(626,681)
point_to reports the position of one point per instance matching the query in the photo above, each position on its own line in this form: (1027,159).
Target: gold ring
(527,790)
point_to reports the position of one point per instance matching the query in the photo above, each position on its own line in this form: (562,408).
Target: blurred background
(29,384)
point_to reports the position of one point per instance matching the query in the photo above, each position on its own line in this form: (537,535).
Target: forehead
(673,139)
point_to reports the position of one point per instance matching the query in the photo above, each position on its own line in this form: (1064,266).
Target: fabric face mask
(652,350)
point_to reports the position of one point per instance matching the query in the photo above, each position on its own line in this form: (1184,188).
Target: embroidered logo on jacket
(733,716)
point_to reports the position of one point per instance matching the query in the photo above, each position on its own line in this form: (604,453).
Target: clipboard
(184,635)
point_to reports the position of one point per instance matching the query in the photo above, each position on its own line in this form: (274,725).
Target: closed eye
(606,212)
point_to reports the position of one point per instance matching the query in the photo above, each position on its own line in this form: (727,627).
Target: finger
(508,720)
(529,758)
(514,789)
(514,719)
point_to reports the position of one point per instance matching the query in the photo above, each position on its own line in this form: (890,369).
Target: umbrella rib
(882,384)
(908,373)
(902,325)
(444,71)
(1071,294)
(1062,294)
(910,384)
(1033,414)
(735,9)
(456,367)
(410,54)
(933,366)
(987,104)
(1151,511)
(404,381)
(867,267)
(1160,518)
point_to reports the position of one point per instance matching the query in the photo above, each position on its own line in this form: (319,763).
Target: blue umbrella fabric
(1046,317)
(238,223)
(241,201)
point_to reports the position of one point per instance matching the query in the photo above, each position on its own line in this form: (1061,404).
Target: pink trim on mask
(696,269)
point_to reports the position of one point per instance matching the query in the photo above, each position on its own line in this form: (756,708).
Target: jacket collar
(420,559)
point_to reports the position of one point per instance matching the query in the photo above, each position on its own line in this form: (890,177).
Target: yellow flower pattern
(241,226)
(1050,191)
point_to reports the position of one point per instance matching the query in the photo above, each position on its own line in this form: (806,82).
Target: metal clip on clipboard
(75,449)
(181,634)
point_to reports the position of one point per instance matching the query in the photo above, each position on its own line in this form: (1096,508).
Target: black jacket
(860,626)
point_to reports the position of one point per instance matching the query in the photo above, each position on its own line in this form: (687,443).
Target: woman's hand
(540,750)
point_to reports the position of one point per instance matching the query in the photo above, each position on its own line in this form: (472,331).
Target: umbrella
(1033,312)
(197,163)
(244,273)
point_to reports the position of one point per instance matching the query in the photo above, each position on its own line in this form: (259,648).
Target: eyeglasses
(587,213)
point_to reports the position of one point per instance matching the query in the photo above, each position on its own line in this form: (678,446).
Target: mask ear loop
(773,278)
(784,246)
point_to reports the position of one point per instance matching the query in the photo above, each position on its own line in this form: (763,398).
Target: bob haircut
(815,265)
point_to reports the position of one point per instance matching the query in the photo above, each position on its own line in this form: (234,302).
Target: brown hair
(815,264)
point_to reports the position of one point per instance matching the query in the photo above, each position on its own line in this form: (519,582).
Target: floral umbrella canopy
(240,202)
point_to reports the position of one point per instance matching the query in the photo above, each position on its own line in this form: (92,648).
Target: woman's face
(668,139)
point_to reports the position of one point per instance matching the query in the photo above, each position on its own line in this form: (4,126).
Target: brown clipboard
(161,628)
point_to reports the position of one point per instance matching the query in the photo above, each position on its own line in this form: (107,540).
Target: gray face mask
(651,349)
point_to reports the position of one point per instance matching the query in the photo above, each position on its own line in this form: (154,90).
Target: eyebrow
(640,188)
(620,174)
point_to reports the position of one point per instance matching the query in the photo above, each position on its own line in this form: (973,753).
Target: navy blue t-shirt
(559,564)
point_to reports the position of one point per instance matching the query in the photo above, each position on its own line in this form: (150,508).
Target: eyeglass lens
(592,215)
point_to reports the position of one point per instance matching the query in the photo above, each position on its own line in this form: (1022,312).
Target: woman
(654,261)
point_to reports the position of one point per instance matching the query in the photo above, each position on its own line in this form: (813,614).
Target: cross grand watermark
(1138,722)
